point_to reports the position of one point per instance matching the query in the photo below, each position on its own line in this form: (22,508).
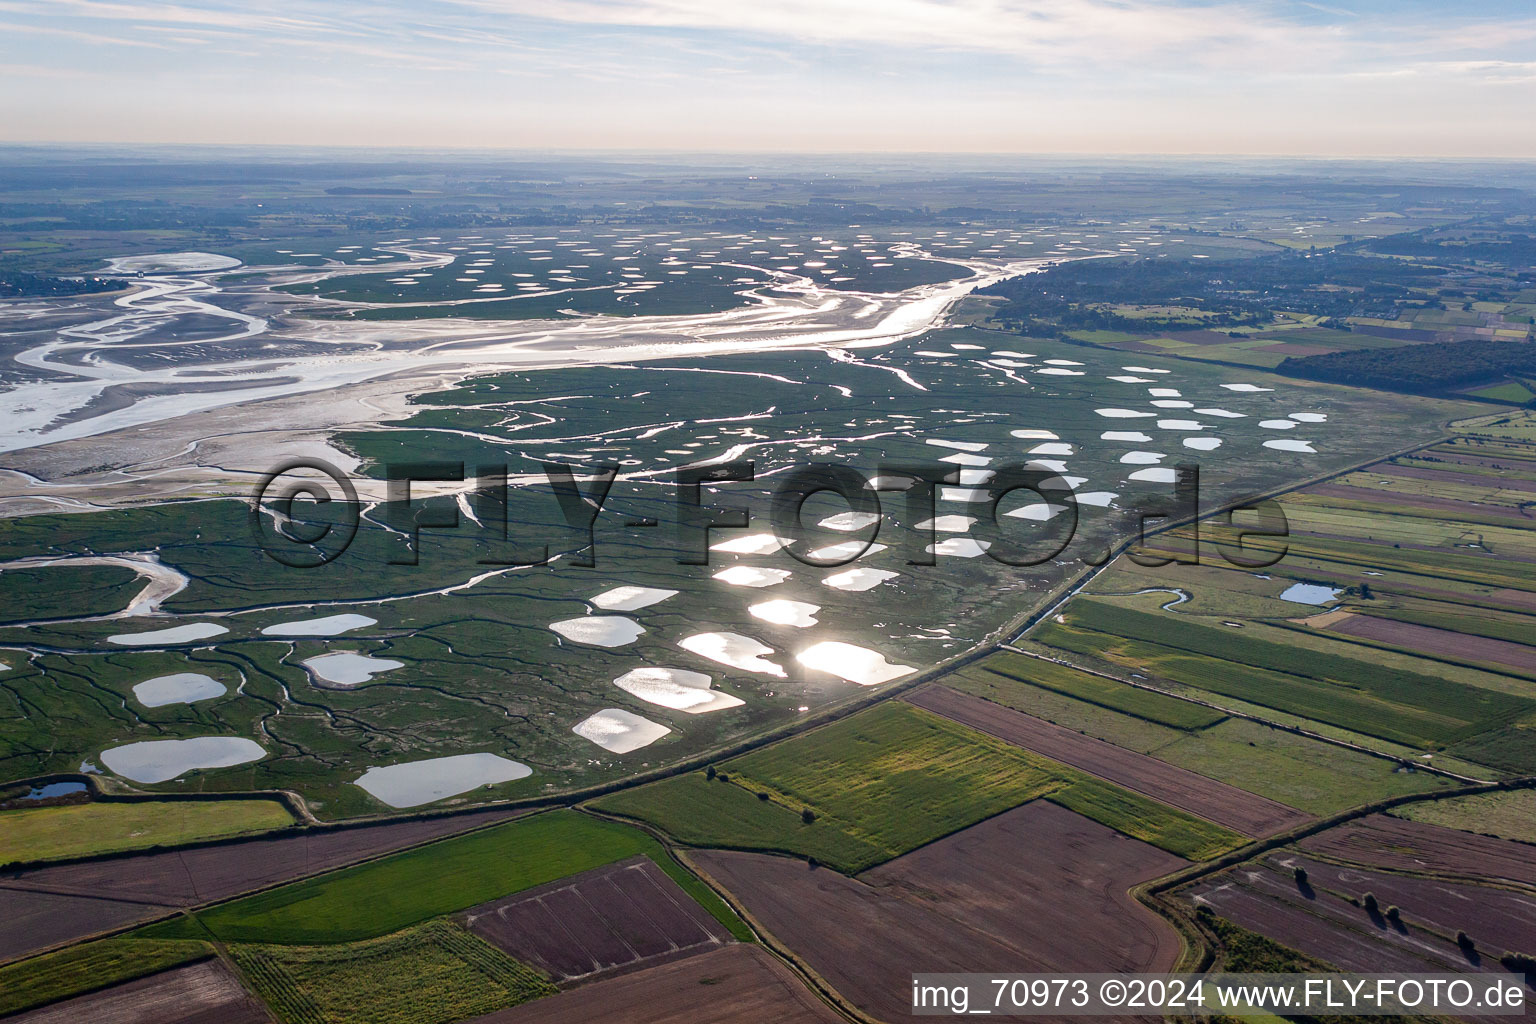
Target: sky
(1373,78)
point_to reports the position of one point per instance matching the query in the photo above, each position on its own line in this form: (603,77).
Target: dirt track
(731,985)
(1037,888)
(1177,787)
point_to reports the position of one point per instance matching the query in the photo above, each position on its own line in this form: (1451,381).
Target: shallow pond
(734,650)
(629,599)
(851,662)
(180,688)
(421,782)
(619,731)
(163,760)
(175,635)
(348,668)
(676,688)
(1309,593)
(599,630)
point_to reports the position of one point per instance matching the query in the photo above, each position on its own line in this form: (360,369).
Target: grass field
(1508,815)
(88,967)
(895,776)
(436,973)
(996,678)
(76,830)
(885,782)
(408,888)
(699,812)
(879,784)
(1140,818)
(1407,707)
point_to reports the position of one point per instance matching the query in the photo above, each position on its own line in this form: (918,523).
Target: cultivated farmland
(46,905)
(1037,888)
(202,993)
(74,830)
(87,967)
(731,985)
(407,888)
(433,974)
(1176,787)
(623,915)
(877,785)
(1392,842)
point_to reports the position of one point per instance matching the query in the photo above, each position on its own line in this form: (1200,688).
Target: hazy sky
(1339,77)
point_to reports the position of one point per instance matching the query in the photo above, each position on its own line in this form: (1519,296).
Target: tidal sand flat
(619,731)
(851,662)
(782,612)
(163,760)
(421,782)
(858,580)
(1157,475)
(347,668)
(734,650)
(1246,388)
(175,635)
(330,625)
(599,630)
(1289,445)
(1123,414)
(180,688)
(676,688)
(751,576)
(629,599)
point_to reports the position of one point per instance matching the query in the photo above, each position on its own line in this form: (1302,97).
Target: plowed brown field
(1037,888)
